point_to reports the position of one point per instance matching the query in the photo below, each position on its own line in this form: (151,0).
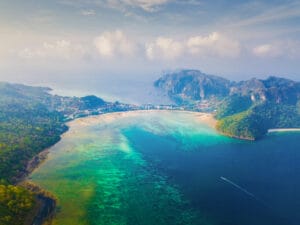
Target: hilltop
(245,109)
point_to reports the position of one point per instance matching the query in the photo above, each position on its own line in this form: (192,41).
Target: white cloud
(271,14)
(147,5)
(265,50)
(60,49)
(28,53)
(110,44)
(215,45)
(121,5)
(89,12)
(290,49)
(165,48)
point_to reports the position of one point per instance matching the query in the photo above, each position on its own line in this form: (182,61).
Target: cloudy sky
(56,41)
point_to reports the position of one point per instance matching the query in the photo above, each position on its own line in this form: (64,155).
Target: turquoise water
(166,168)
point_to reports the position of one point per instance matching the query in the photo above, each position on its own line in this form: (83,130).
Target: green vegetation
(233,105)
(91,102)
(31,120)
(245,109)
(27,127)
(255,121)
(15,203)
(25,130)
(245,125)
(258,105)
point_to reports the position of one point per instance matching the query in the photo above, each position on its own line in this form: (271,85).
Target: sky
(102,43)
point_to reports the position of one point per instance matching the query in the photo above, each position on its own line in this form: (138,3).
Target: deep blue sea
(169,168)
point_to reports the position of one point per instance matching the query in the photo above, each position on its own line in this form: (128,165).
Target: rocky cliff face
(273,89)
(192,85)
(186,85)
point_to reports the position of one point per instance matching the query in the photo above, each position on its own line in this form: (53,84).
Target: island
(32,120)
(245,109)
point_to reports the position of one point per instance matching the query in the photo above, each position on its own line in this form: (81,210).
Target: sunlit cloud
(60,49)
(116,43)
(265,50)
(218,37)
(165,48)
(214,44)
(286,49)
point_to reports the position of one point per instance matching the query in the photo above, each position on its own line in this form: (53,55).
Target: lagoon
(166,167)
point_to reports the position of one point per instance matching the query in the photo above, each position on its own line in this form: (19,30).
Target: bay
(164,167)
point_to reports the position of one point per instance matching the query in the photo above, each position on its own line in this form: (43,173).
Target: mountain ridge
(182,86)
(244,109)
(179,84)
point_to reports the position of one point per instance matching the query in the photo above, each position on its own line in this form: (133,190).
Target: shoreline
(236,137)
(37,160)
(32,164)
(284,130)
(47,202)
(45,207)
(202,117)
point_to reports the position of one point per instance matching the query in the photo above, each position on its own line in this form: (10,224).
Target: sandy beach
(207,118)
(200,117)
(284,130)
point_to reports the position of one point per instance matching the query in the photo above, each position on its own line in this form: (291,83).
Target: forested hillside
(185,86)
(27,127)
(245,109)
(258,105)
(32,119)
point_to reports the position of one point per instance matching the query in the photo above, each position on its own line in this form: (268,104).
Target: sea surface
(122,91)
(170,168)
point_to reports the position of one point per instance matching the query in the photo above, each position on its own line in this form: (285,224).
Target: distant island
(245,109)
(32,119)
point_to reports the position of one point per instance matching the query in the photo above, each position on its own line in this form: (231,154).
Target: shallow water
(166,168)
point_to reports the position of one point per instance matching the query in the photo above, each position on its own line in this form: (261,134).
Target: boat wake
(243,190)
